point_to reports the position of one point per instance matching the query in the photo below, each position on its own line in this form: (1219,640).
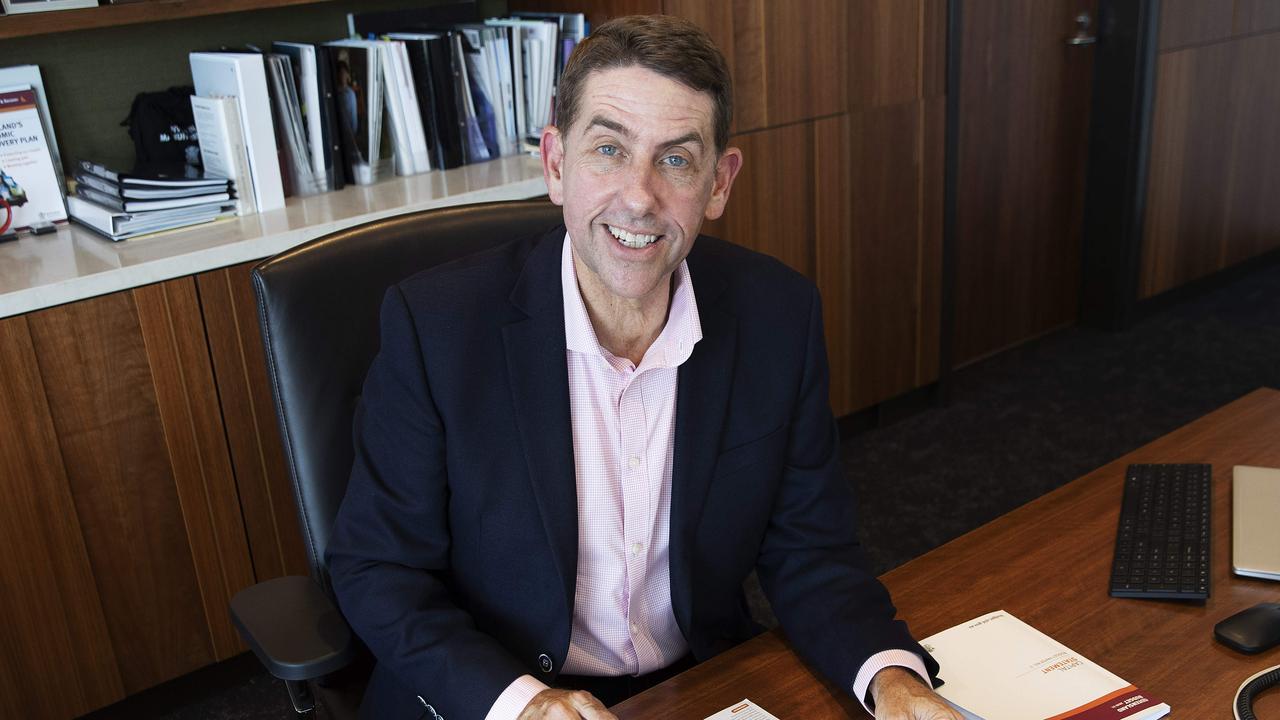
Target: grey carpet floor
(1016,426)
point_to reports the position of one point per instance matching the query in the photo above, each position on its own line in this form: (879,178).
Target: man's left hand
(899,695)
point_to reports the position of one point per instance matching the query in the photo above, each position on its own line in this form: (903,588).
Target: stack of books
(124,205)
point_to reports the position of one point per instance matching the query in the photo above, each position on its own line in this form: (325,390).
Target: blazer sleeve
(833,610)
(389,553)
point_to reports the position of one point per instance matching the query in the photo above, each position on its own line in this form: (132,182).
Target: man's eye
(608,150)
(675,161)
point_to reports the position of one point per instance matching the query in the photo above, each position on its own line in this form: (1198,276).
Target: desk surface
(1047,563)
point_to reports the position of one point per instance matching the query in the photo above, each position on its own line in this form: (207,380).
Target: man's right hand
(554,704)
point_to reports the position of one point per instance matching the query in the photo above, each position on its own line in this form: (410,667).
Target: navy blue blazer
(454,554)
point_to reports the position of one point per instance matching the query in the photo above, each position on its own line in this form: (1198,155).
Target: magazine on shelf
(360,100)
(110,201)
(121,225)
(222,150)
(404,118)
(29,185)
(291,135)
(534,48)
(478,50)
(166,176)
(143,192)
(29,76)
(313,72)
(244,77)
(430,61)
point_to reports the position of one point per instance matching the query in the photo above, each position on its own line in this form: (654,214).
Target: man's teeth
(632,240)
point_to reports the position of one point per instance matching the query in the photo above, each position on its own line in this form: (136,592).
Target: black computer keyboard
(1162,547)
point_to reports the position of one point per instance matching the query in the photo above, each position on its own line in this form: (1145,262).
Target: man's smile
(634,240)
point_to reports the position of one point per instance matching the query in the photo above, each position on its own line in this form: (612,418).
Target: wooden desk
(1047,563)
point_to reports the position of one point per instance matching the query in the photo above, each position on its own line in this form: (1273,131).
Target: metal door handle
(1082,36)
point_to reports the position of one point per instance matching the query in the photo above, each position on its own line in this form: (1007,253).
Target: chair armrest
(293,628)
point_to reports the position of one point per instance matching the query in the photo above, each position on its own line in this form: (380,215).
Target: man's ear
(551,148)
(727,168)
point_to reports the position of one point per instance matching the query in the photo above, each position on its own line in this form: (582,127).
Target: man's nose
(640,194)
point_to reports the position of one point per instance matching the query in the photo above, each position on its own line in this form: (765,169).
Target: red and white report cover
(996,667)
(28,183)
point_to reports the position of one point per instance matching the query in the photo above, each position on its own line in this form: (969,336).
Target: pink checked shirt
(624,419)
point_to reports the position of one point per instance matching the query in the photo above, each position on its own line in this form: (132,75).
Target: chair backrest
(318,307)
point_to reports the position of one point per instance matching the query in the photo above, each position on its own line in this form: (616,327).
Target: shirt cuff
(881,660)
(513,700)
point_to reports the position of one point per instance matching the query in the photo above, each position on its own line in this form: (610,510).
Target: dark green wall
(91,76)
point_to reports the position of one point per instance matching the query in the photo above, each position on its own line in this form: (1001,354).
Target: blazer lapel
(702,398)
(539,376)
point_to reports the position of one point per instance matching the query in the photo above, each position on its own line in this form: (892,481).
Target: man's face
(636,174)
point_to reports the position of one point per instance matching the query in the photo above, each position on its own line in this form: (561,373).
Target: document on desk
(996,667)
(745,710)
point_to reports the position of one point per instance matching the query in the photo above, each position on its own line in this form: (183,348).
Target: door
(1025,79)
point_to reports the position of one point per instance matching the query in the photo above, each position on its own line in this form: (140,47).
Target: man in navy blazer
(455,555)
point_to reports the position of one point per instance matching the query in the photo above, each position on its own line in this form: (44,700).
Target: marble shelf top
(75,263)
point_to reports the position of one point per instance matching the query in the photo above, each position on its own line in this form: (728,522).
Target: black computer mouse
(1252,630)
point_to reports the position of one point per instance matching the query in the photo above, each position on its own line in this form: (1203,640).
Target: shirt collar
(674,344)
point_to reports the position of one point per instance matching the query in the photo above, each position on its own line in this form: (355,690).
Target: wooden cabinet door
(262,477)
(142,533)
(57,659)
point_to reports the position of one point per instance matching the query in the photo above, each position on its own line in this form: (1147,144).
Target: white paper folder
(244,77)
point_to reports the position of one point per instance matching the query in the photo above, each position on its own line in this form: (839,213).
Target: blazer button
(544,662)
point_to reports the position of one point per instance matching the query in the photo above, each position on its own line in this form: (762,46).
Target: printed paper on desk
(996,667)
(745,710)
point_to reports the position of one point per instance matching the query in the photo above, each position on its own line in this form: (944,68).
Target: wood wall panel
(56,659)
(1189,168)
(933,48)
(102,401)
(597,11)
(833,221)
(1215,151)
(771,205)
(170,321)
(717,19)
(750,84)
(262,476)
(932,181)
(1194,22)
(881,34)
(1253,200)
(806,59)
(1256,16)
(885,248)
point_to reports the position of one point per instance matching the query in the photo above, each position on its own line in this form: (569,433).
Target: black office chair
(318,307)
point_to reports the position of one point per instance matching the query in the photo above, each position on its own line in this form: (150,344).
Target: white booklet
(745,710)
(996,667)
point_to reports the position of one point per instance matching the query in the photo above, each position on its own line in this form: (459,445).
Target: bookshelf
(77,263)
(44,23)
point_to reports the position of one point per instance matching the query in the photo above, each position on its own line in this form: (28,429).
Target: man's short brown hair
(667,45)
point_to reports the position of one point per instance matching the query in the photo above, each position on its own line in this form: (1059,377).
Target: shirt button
(635,629)
(634,462)
(637,548)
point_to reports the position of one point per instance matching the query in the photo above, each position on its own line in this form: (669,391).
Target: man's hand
(899,695)
(554,704)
